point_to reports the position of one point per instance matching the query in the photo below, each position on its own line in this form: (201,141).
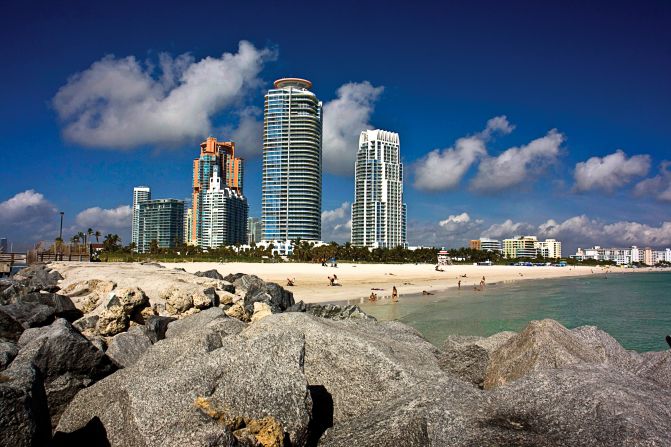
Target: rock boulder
(467,357)
(65,359)
(24,418)
(126,348)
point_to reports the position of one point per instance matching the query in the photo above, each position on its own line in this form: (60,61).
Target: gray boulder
(10,329)
(212,274)
(62,305)
(191,323)
(582,405)
(655,366)
(542,344)
(126,348)
(39,277)
(360,363)
(244,283)
(155,327)
(336,312)
(86,323)
(248,376)
(547,344)
(30,314)
(24,419)
(8,351)
(66,360)
(467,357)
(258,291)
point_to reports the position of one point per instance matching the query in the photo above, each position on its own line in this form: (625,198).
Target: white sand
(358,279)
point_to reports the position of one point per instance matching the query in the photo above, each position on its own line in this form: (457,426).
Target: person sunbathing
(291,281)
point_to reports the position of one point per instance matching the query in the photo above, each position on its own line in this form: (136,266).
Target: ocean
(634,308)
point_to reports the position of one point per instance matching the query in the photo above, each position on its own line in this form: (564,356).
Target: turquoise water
(634,308)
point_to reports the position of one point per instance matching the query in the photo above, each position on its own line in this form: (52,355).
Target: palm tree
(82,236)
(97,235)
(89,232)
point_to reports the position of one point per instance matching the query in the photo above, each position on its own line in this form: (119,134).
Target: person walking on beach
(459,285)
(372,298)
(394,295)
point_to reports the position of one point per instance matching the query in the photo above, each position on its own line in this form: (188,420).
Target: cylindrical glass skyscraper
(292,162)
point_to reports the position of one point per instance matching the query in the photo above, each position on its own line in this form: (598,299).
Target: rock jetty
(233,361)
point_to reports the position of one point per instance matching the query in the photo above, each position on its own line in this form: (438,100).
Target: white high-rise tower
(292,162)
(378,211)
(140,194)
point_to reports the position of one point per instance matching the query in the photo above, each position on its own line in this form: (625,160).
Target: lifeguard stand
(443,258)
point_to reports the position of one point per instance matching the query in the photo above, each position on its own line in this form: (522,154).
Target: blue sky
(98,97)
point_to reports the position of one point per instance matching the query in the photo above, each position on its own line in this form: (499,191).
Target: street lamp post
(60,233)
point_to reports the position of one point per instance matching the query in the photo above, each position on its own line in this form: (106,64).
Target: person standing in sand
(394,295)
(459,285)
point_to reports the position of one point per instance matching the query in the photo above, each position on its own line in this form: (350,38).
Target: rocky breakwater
(262,370)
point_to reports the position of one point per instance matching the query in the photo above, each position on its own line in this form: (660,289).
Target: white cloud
(609,172)
(25,206)
(658,186)
(508,229)
(518,165)
(581,231)
(337,224)
(455,231)
(28,217)
(344,119)
(248,134)
(498,124)
(117,103)
(443,169)
(105,219)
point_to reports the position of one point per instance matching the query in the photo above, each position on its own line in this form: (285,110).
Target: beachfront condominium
(486,244)
(378,211)
(520,247)
(531,247)
(624,256)
(224,215)
(549,248)
(292,162)
(219,154)
(160,220)
(140,194)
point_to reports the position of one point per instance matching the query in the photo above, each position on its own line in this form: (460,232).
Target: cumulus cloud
(658,186)
(119,104)
(104,220)
(248,134)
(609,172)
(583,231)
(498,124)
(443,169)
(28,217)
(518,164)
(455,231)
(508,229)
(344,119)
(337,224)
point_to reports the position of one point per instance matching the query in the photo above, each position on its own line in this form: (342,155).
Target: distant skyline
(514,118)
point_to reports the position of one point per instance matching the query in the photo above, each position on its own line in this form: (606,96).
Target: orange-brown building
(222,155)
(474,244)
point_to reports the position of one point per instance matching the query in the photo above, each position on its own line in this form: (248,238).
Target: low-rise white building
(624,256)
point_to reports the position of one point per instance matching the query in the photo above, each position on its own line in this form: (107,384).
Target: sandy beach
(357,280)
